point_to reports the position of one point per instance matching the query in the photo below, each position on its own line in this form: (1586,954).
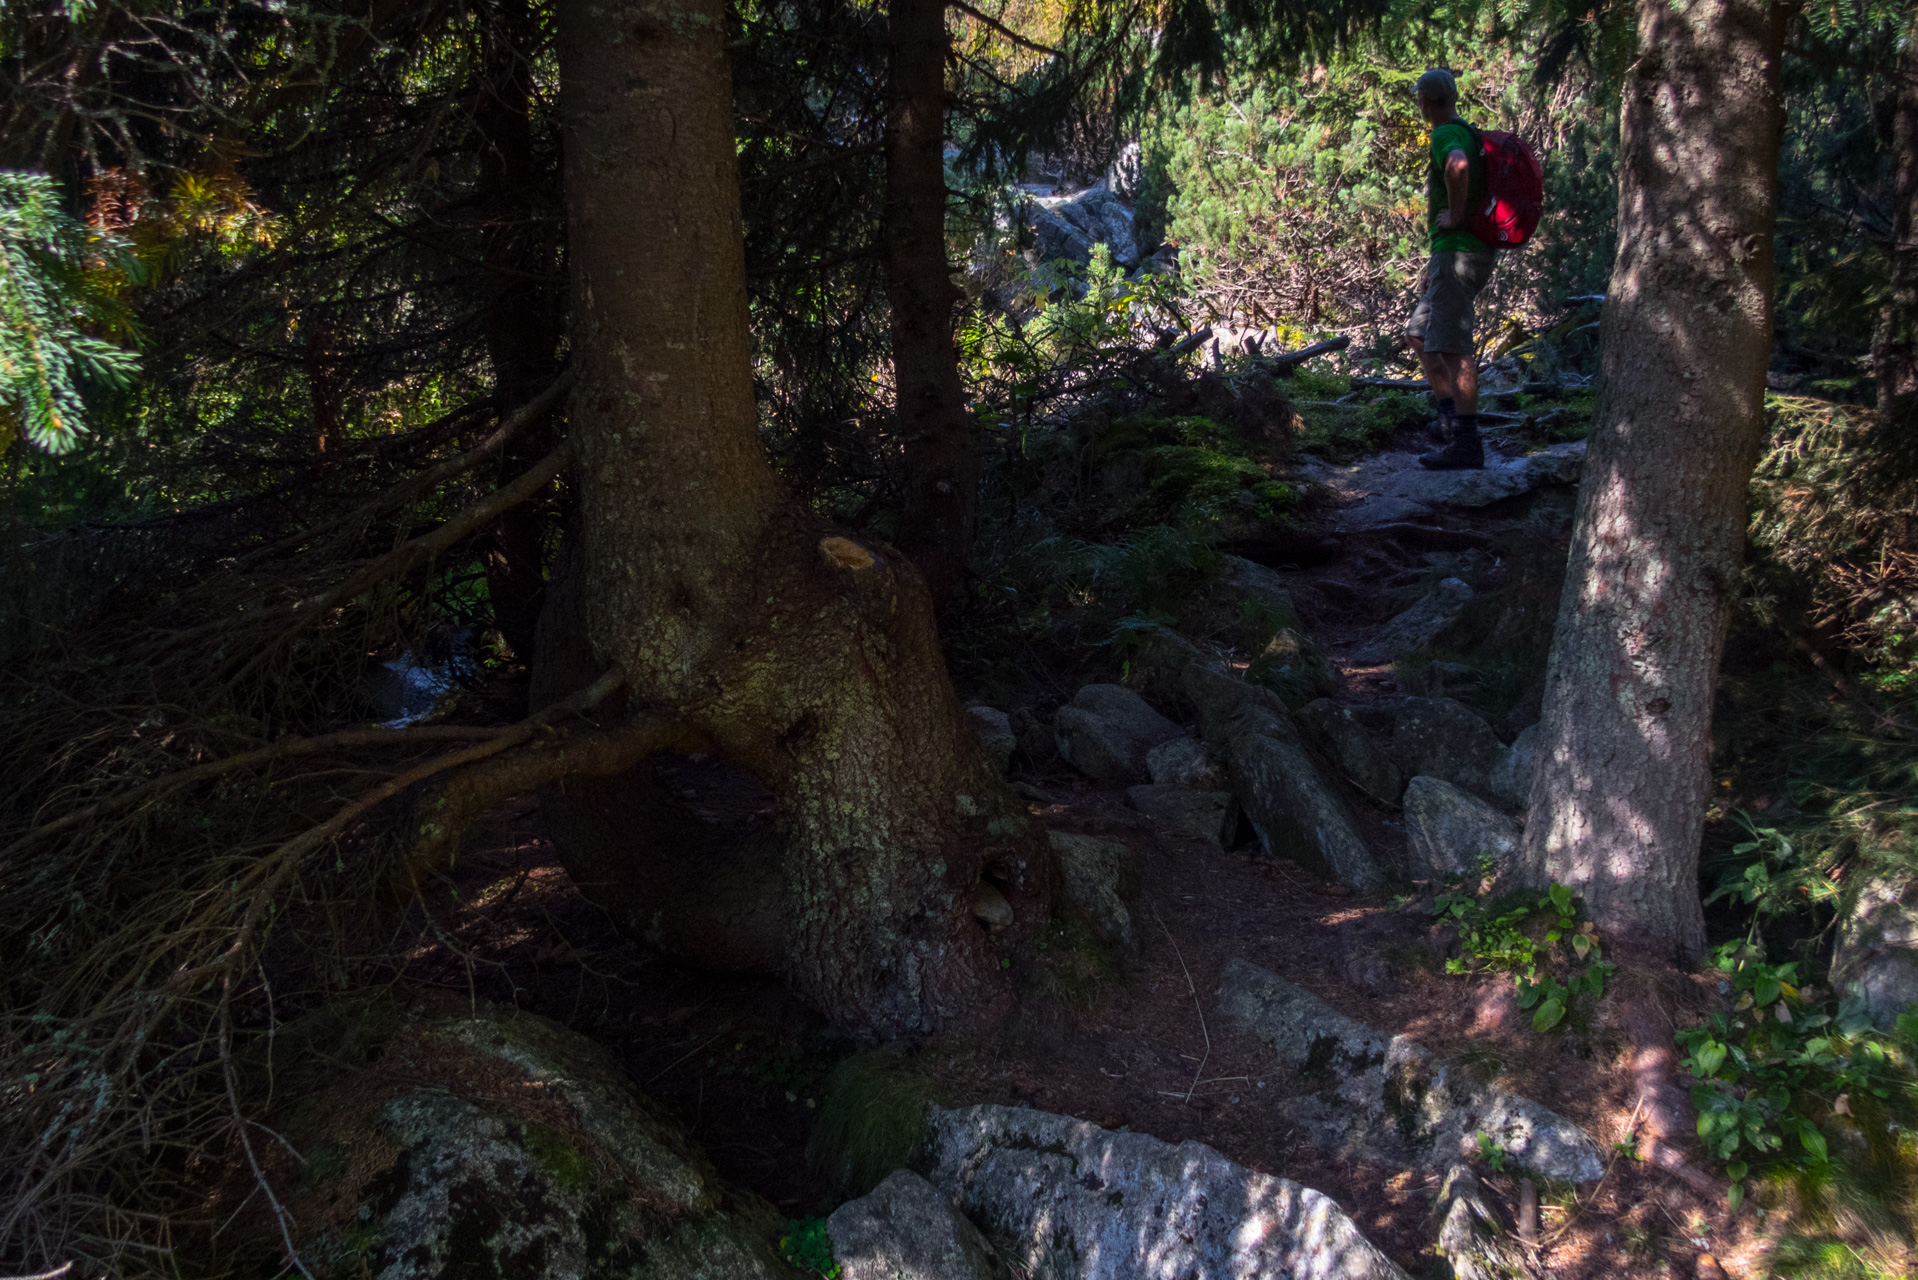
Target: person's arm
(1458,189)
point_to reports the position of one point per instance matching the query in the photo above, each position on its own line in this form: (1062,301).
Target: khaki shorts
(1444,316)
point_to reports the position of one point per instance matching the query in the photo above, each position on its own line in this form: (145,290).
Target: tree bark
(939,518)
(1894,346)
(803,656)
(522,325)
(1617,806)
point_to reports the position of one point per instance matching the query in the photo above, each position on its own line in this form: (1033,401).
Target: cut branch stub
(844,553)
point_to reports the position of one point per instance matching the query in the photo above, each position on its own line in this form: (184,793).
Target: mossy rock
(455,1142)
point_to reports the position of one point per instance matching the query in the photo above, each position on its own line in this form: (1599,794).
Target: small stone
(905,1229)
(1468,1230)
(1414,630)
(1210,816)
(990,906)
(1097,877)
(994,728)
(1511,779)
(1183,762)
(1450,830)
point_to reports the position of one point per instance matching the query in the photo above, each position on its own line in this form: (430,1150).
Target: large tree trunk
(1617,806)
(522,325)
(941,455)
(1894,346)
(804,657)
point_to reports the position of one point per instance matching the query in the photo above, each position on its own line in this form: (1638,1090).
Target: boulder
(1414,630)
(1449,830)
(906,1230)
(1055,237)
(1107,731)
(1247,606)
(1157,657)
(1445,679)
(1386,1098)
(1183,762)
(1877,949)
(1511,778)
(1210,816)
(1337,734)
(1441,738)
(1097,877)
(1067,1200)
(439,1141)
(994,728)
(1295,812)
(1381,490)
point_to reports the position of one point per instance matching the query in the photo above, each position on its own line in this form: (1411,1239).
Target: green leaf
(1561,898)
(1813,1142)
(1767,989)
(1735,1196)
(1581,944)
(1548,1015)
(1707,1058)
(1737,1170)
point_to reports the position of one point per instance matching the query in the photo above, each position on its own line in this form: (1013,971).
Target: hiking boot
(1464,453)
(1439,430)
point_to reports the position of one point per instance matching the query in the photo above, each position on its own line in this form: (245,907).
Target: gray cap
(1438,85)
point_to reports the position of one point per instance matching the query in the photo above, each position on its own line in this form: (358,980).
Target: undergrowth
(1535,939)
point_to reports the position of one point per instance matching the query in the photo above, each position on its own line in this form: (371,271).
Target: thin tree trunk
(1894,346)
(941,456)
(1617,807)
(805,657)
(522,329)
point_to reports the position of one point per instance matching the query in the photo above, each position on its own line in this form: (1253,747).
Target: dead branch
(1285,363)
(409,489)
(285,749)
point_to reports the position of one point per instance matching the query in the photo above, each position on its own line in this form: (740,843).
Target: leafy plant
(1492,1152)
(1501,938)
(807,1246)
(1769,1068)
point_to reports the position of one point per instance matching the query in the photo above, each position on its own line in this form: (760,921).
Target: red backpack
(1514,191)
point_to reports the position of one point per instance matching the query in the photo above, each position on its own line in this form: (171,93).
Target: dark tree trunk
(801,656)
(1894,346)
(517,249)
(941,456)
(1618,804)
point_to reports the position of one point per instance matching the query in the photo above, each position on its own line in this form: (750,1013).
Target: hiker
(1440,329)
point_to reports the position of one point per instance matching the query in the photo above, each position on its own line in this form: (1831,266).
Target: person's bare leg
(1441,374)
(1464,370)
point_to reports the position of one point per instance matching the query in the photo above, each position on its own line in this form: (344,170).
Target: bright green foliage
(54,280)
(1779,1061)
(807,1247)
(1504,936)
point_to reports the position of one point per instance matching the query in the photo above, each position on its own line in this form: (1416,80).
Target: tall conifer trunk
(941,456)
(1894,346)
(1617,806)
(799,654)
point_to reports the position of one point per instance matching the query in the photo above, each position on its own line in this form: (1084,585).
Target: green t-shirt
(1447,138)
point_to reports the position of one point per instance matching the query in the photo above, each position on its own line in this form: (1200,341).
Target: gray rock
(994,728)
(1468,1232)
(1294,668)
(1097,877)
(906,1230)
(1158,658)
(1441,738)
(1055,238)
(1511,779)
(1183,762)
(1877,947)
(1294,811)
(989,906)
(1067,1200)
(1384,489)
(1386,1098)
(1107,731)
(1446,679)
(1414,630)
(453,1142)
(1337,734)
(1247,606)
(1449,830)
(1210,816)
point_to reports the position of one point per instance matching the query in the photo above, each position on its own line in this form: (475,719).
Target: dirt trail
(742,1062)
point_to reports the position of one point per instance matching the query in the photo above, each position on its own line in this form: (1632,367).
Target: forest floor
(743,1063)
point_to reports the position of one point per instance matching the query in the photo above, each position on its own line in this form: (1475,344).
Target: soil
(743,1063)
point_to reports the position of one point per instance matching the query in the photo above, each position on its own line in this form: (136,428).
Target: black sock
(1466,421)
(1447,408)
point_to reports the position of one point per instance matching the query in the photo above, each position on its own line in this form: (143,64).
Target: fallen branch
(1286,362)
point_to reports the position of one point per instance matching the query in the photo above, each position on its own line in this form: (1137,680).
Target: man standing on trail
(1440,329)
